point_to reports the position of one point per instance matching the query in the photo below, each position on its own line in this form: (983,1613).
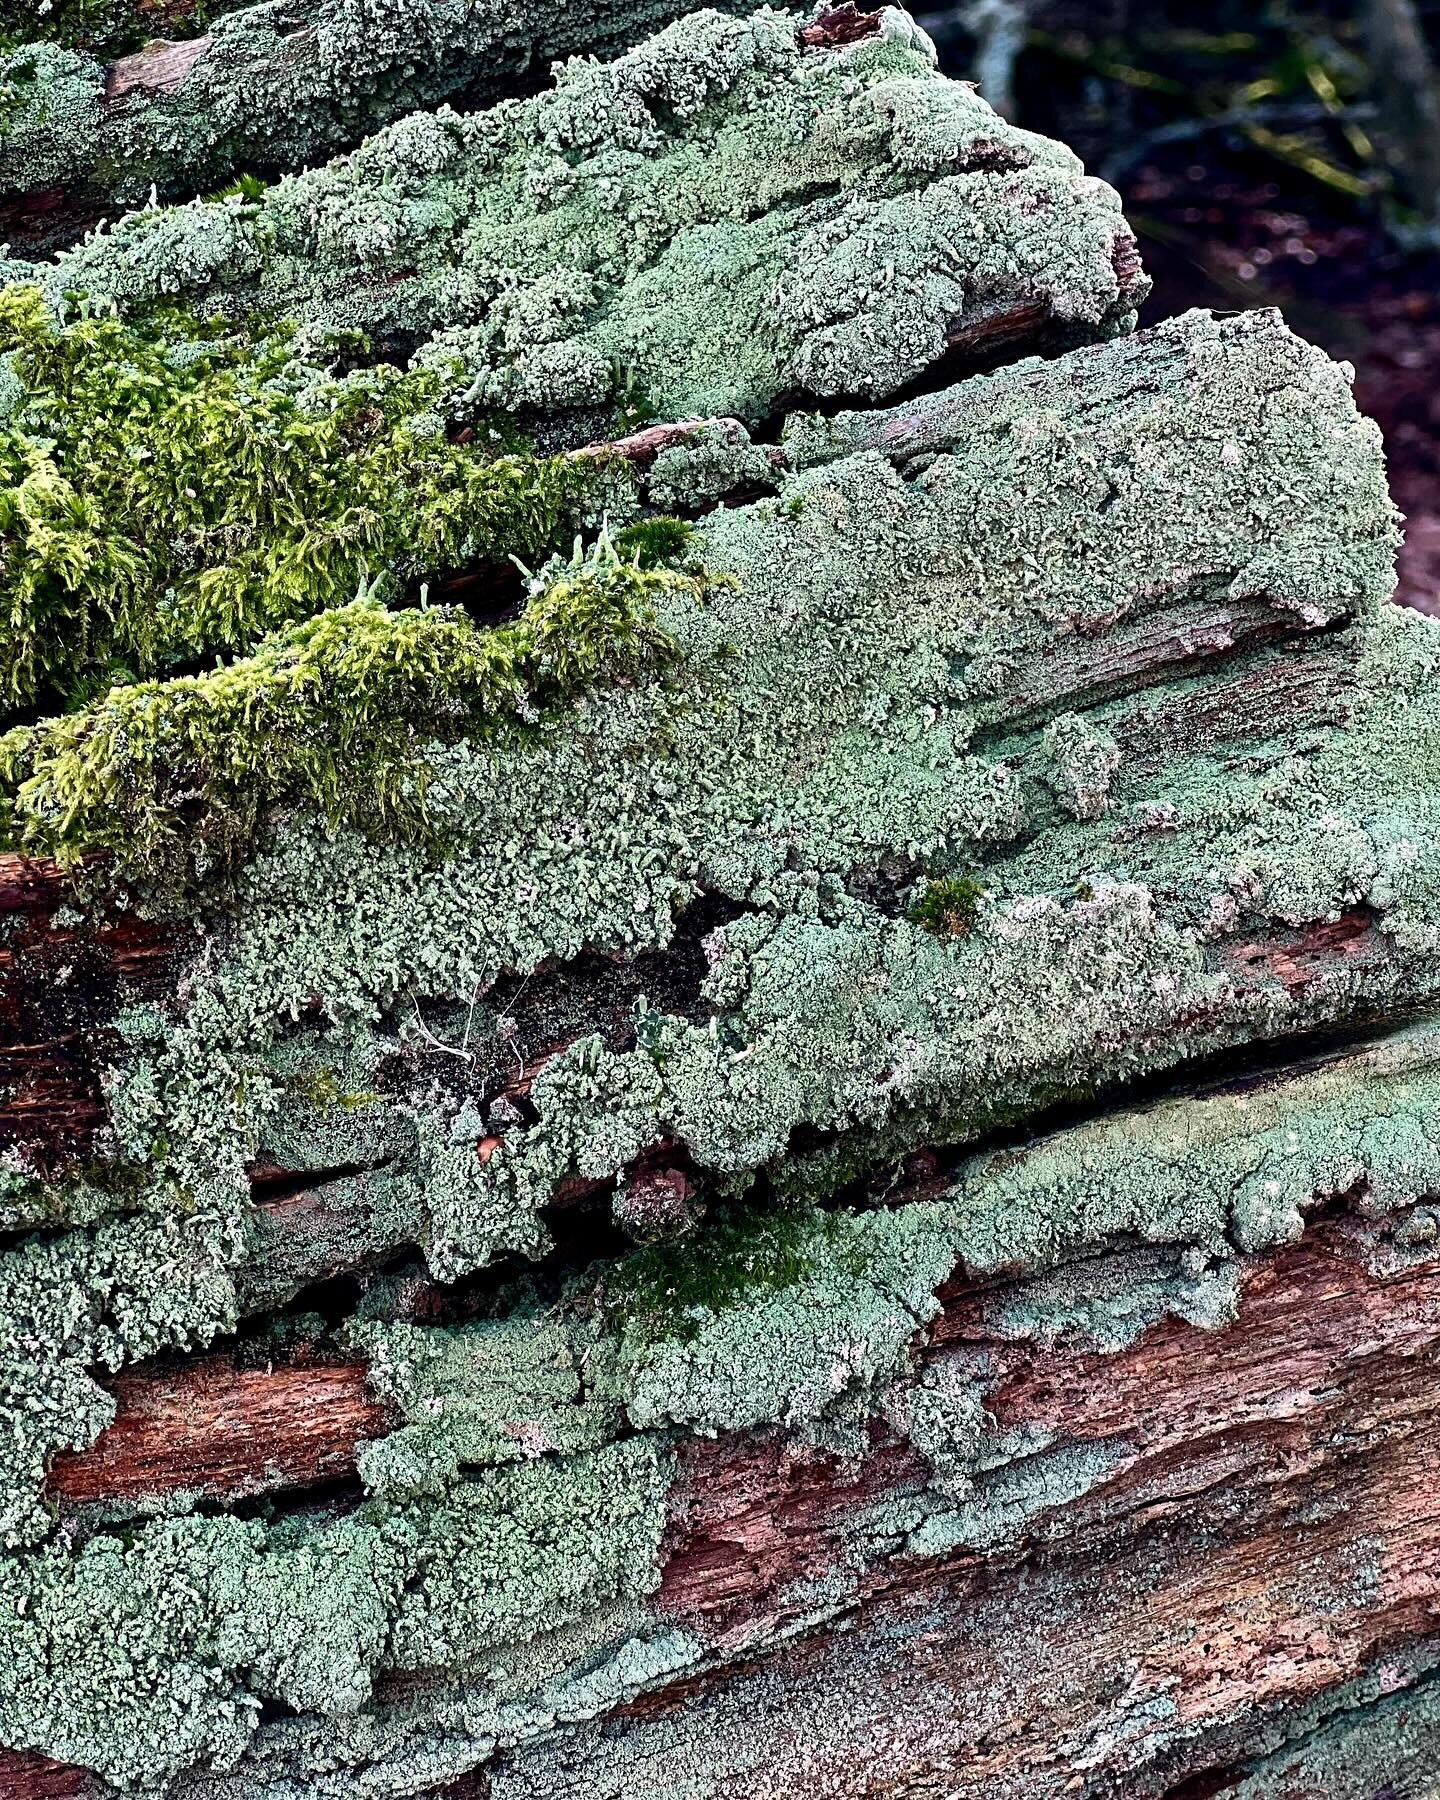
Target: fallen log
(861,235)
(262,92)
(858,1215)
(1310,1412)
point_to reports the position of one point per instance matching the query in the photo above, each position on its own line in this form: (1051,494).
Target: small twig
(434,1042)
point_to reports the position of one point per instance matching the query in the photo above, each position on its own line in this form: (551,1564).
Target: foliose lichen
(719,217)
(812,731)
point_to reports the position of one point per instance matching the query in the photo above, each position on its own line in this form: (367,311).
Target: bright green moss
(102,28)
(334,712)
(667,1290)
(948,907)
(654,541)
(163,496)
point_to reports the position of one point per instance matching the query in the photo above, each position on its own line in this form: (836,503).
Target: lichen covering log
(696,1157)
(110,110)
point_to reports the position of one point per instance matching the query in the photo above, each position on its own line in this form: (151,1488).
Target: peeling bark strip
(218,1429)
(157,69)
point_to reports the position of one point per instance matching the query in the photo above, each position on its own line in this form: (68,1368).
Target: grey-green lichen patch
(540,1543)
(1084,757)
(810,729)
(447,1567)
(1376,1736)
(1323,820)
(99,1296)
(1112,1299)
(499,1391)
(142,1656)
(810,1353)
(443,1729)
(1225,1171)
(260,93)
(1022,1483)
(720,217)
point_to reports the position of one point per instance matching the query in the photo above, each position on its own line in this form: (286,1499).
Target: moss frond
(949,906)
(165,494)
(173,778)
(655,541)
(667,1290)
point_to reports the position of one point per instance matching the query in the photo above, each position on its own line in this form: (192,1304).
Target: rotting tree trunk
(1266,1530)
(263,93)
(864,1223)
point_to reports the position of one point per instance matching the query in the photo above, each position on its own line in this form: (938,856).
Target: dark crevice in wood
(271,1186)
(1206,1786)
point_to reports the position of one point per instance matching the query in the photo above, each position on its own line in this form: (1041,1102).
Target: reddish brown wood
(1192,1408)
(837,25)
(1127,1659)
(24,1775)
(1309,1425)
(214,1427)
(60,986)
(1297,960)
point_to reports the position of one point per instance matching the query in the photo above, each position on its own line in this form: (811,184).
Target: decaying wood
(216,1427)
(1270,1526)
(61,979)
(1144,1558)
(158,68)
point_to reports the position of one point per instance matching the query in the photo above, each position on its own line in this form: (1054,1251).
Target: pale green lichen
(1220,1171)
(500,1391)
(1085,757)
(480,1561)
(810,1353)
(720,217)
(261,94)
(1112,1299)
(815,733)
(821,732)
(97,1297)
(141,1658)
(1376,1738)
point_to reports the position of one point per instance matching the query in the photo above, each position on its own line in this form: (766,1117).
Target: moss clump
(668,1290)
(948,907)
(163,496)
(653,542)
(176,776)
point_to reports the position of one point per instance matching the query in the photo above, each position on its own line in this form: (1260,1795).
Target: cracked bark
(1270,1526)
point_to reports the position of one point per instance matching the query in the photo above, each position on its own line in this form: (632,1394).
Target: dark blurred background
(1269,154)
